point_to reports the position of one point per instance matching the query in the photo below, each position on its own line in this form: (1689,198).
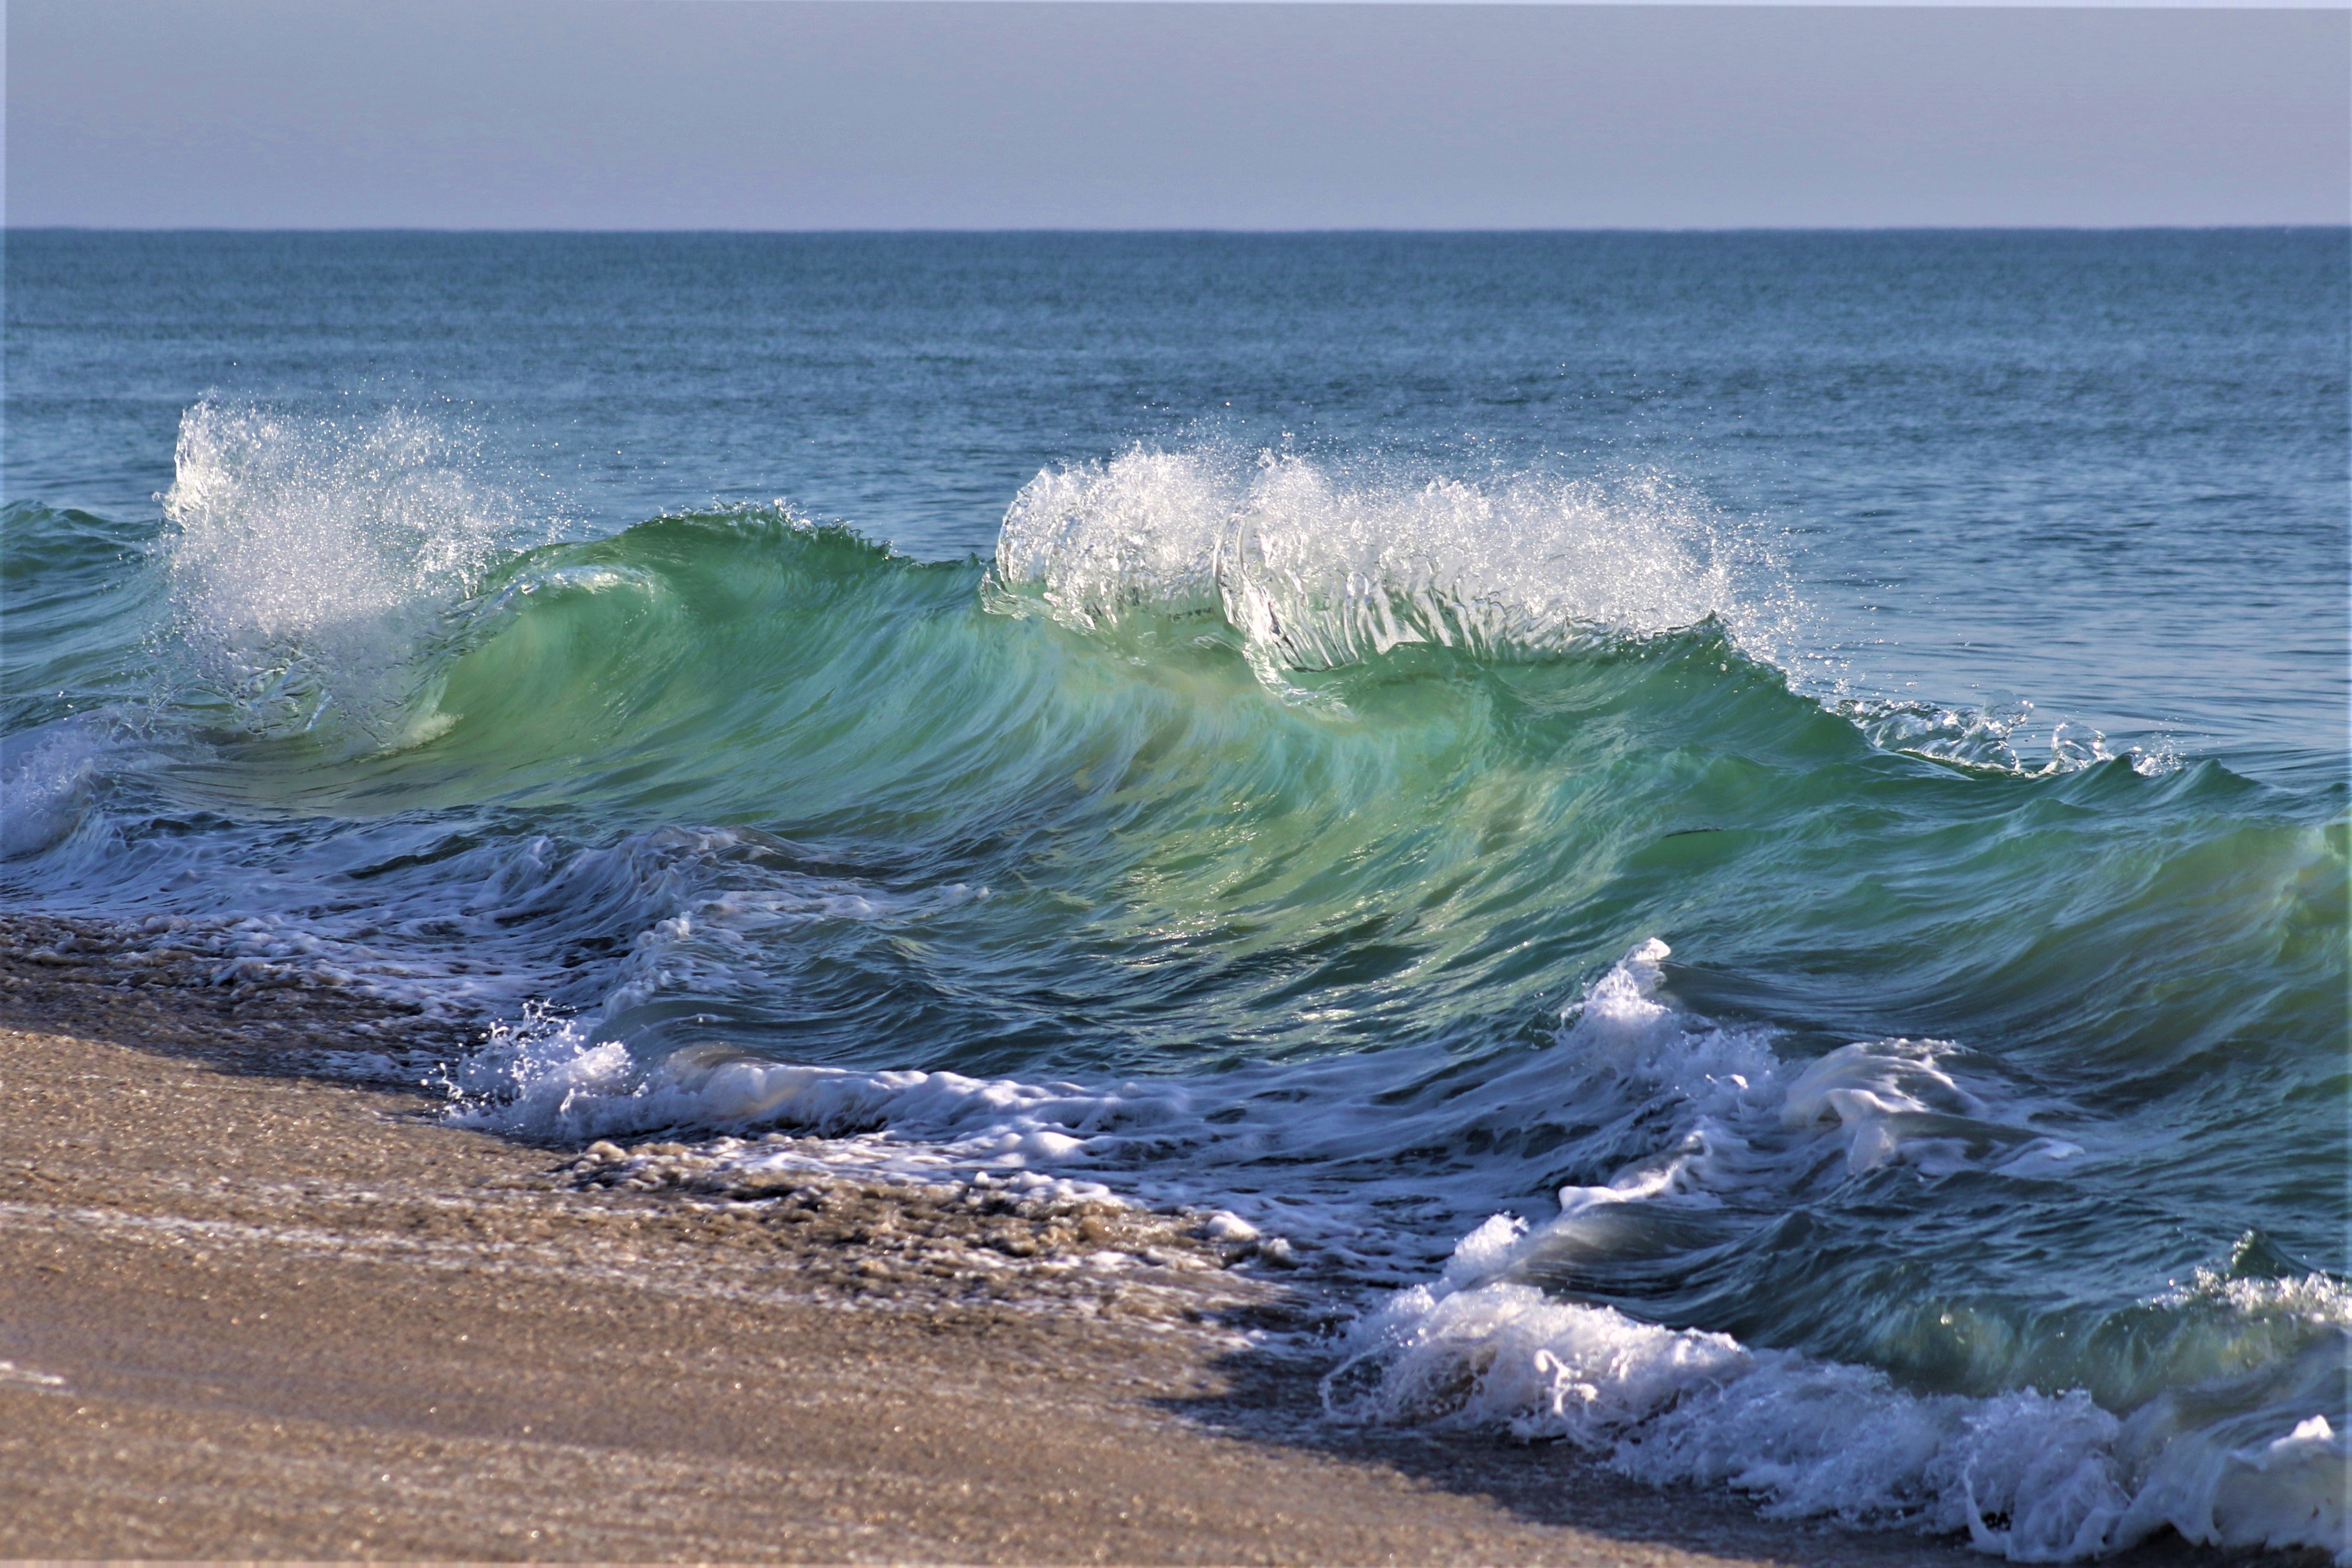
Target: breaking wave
(1289,836)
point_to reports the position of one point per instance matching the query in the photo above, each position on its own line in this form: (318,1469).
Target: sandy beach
(252,1306)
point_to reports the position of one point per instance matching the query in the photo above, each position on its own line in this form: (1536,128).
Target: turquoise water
(1754,825)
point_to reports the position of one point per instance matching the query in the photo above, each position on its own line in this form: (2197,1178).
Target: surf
(1480,885)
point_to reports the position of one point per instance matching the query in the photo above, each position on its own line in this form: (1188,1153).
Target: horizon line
(1175,231)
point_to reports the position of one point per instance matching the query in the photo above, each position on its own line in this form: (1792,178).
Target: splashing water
(1313,568)
(1237,835)
(307,557)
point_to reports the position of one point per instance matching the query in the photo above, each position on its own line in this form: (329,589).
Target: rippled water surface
(1754,826)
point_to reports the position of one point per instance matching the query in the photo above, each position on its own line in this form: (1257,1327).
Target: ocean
(1739,840)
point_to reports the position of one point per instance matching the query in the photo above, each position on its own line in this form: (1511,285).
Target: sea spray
(1313,566)
(1300,841)
(308,556)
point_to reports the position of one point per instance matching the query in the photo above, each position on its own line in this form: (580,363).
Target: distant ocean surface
(1743,835)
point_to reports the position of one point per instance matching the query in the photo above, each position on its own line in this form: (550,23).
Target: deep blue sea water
(1755,825)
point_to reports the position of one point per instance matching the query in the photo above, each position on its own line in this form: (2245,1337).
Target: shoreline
(255,1303)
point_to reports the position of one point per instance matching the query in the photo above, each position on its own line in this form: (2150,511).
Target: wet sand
(254,1303)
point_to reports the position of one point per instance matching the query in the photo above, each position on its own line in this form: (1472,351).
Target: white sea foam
(306,555)
(2031,1476)
(296,594)
(1315,567)
(1677,1115)
(1704,1117)
(2036,1477)
(546,1076)
(1686,1109)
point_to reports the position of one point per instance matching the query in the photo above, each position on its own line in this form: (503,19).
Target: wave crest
(306,556)
(1313,567)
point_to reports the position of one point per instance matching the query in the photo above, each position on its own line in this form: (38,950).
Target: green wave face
(1339,826)
(1421,843)
(1191,864)
(1479,778)
(1195,850)
(1397,847)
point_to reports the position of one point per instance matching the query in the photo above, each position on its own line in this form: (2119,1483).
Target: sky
(784,114)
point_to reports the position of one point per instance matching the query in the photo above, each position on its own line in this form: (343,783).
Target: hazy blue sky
(779,114)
